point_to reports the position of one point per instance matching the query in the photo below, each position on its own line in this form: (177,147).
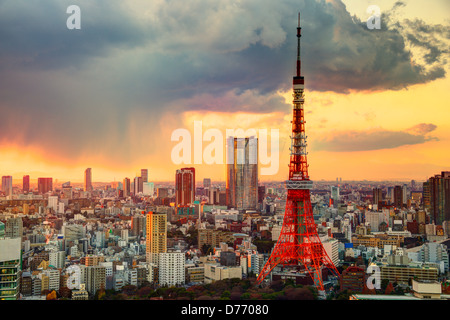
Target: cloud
(112,87)
(351,141)
(422,128)
(34,34)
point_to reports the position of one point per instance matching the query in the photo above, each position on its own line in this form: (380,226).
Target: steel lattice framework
(299,244)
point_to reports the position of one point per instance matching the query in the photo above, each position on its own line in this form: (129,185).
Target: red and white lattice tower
(299,244)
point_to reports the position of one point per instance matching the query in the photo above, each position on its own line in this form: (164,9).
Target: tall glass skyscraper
(242,173)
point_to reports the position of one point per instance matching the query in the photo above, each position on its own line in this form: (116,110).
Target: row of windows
(8,271)
(6,293)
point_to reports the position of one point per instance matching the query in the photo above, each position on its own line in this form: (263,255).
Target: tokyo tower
(299,244)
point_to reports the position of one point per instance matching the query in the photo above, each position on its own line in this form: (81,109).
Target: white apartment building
(57,259)
(171,268)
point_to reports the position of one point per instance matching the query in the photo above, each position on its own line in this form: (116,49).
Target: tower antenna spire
(299,34)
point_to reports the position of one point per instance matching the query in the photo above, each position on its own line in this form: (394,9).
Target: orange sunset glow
(376,102)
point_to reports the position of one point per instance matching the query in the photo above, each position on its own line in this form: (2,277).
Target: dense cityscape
(138,239)
(243,231)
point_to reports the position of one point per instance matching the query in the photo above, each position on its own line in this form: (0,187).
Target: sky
(110,95)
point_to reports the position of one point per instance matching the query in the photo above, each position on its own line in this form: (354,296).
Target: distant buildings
(126,187)
(26,184)
(45,185)
(378,197)
(14,227)
(144,175)
(88,180)
(398,197)
(138,186)
(7,187)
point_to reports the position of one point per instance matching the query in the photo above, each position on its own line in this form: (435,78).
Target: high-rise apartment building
(137,225)
(88,180)
(54,278)
(45,185)
(95,278)
(426,195)
(171,268)
(26,184)
(7,187)
(14,228)
(185,186)
(57,259)
(138,185)
(398,196)
(242,172)
(126,187)
(439,188)
(378,197)
(156,241)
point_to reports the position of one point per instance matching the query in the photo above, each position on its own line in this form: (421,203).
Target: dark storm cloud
(75,91)
(350,141)
(33,34)
(201,47)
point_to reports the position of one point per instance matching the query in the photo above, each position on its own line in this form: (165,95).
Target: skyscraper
(88,179)
(126,187)
(26,184)
(377,197)
(138,185)
(7,185)
(439,190)
(45,185)
(185,186)
(398,196)
(242,172)
(144,175)
(156,232)
(137,225)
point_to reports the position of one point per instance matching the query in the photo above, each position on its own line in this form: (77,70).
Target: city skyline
(372,114)
(168,157)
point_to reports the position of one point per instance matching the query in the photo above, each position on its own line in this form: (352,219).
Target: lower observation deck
(299,184)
